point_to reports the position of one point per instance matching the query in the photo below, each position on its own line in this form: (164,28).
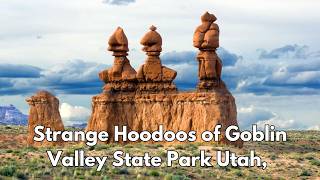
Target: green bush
(120,171)
(315,162)
(153,173)
(179,177)
(239,173)
(21,175)
(305,173)
(168,177)
(8,171)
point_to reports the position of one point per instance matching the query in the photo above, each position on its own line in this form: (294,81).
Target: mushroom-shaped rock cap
(42,96)
(152,41)
(207,17)
(43,93)
(118,41)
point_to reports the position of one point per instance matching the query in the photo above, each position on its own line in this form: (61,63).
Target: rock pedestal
(44,110)
(153,76)
(121,76)
(206,39)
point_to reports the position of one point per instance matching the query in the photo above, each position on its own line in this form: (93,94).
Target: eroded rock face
(155,100)
(198,111)
(206,39)
(44,110)
(152,75)
(121,76)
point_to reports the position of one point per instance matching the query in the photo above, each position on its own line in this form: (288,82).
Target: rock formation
(44,110)
(121,76)
(206,39)
(156,101)
(152,76)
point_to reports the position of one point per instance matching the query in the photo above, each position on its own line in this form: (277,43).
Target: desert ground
(298,158)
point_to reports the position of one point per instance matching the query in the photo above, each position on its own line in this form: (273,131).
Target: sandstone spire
(206,39)
(121,76)
(44,110)
(152,76)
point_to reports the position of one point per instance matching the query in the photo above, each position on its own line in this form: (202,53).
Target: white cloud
(315,128)
(74,114)
(79,28)
(260,116)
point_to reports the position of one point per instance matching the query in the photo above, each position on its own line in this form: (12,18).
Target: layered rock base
(186,111)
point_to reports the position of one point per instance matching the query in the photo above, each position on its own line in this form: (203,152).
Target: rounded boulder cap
(118,38)
(207,17)
(151,37)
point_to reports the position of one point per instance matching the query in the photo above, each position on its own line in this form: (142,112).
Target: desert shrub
(179,177)
(99,147)
(9,151)
(315,162)
(273,157)
(309,157)
(153,173)
(195,153)
(105,178)
(212,174)
(64,172)
(21,175)
(168,177)
(159,145)
(305,173)
(163,154)
(152,146)
(91,148)
(179,146)
(8,171)
(31,149)
(120,171)
(94,172)
(238,173)
(128,146)
(192,147)
(76,172)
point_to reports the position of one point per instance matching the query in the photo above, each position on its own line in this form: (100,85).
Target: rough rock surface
(206,39)
(156,101)
(152,75)
(121,76)
(198,111)
(44,110)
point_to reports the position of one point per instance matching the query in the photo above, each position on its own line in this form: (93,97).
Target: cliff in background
(10,115)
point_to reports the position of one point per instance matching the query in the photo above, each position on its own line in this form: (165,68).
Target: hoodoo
(151,99)
(44,110)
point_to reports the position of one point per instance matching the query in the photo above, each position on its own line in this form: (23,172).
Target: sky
(270,51)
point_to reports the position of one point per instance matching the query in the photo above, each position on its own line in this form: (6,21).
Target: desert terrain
(298,158)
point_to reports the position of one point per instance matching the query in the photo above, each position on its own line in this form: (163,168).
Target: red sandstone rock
(198,111)
(44,110)
(206,38)
(155,100)
(152,75)
(121,75)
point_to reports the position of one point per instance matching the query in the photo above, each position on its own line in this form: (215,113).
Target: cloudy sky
(270,51)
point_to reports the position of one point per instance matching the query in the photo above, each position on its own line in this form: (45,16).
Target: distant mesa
(10,115)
